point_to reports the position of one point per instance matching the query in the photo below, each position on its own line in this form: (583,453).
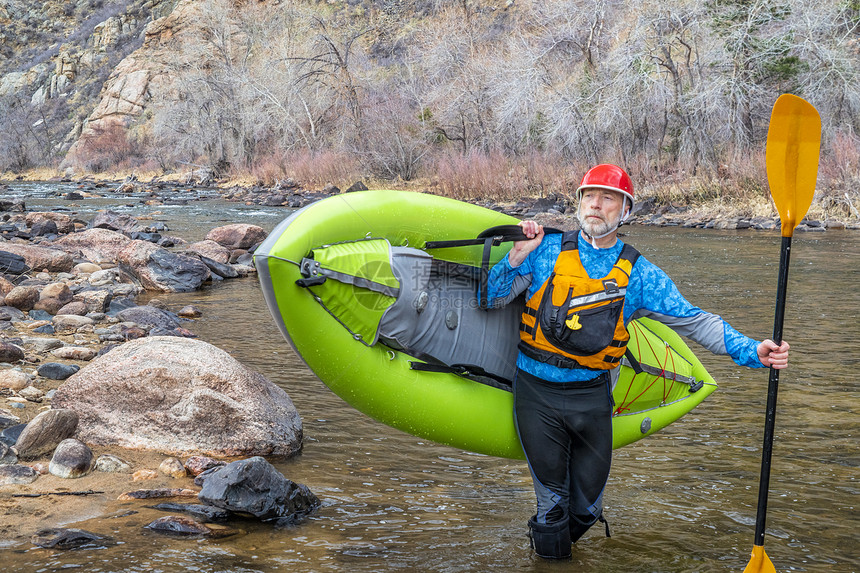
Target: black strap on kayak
(490,238)
(470,371)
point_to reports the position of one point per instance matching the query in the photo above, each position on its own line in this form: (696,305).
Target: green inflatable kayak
(388,318)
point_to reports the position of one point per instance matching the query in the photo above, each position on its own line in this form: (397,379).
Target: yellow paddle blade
(760,562)
(793,145)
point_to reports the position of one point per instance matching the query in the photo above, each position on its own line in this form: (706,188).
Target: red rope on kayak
(625,404)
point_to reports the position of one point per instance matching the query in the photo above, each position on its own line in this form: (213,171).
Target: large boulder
(180,396)
(42,258)
(156,268)
(237,236)
(63,222)
(95,245)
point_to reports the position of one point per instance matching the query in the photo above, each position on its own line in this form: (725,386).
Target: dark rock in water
(220,269)
(150,237)
(71,459)
(149,317)
(45,432)
(10,434)
(200,478)
(16,205)
(255,487)
(117,305)
(17,475)
(57,371)
(187,527)
(61,538)
(156,268)
(12,264)
(157,493)
(73,196)
(10,352)
(116,222)
(205,512)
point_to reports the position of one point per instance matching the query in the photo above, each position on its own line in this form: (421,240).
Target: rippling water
(682,500)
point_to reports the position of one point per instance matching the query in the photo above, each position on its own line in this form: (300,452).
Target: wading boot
(550,541)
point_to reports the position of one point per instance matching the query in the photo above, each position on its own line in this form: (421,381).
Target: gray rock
(183,526)
(12,264)
(223,270)
(8,313)
(172,395)
(8,419)
(57,371)
(61,538)
(10,435)
(149,317)
(45,432)
(204,512)
(71,459)
(42,345)
(156,268)
(17,475)
(255,487)
(7,455)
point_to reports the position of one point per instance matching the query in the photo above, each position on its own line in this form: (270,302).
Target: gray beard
(594,229)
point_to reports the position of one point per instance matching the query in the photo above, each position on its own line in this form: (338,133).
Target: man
(583,288)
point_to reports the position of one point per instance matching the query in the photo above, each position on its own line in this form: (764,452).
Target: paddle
(793,144)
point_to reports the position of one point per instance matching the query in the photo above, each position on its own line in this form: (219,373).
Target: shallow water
(682,500)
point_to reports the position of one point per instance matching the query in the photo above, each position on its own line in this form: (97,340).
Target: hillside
(503,98)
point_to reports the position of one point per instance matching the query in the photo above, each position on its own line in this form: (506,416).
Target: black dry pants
(566,433)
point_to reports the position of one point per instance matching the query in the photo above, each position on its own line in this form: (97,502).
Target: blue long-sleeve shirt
(650,293)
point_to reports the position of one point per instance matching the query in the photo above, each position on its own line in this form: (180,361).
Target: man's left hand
(772,354)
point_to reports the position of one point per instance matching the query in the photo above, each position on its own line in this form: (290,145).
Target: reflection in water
(682,500)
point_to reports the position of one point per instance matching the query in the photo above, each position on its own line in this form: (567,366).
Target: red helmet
(607,176)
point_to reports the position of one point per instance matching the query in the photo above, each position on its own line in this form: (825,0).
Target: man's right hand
(521,249)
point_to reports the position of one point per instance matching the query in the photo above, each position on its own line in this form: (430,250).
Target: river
(682,500)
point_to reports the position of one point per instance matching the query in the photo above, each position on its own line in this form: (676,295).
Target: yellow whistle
(573,322)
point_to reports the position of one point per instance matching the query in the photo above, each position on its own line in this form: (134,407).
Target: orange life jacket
(574,321)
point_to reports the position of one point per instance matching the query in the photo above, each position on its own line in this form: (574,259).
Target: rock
(116,222)
(43,228)
(156,268)
(5,285)
(17,475)
(104,277)
(96,245)
(61,538)
(237,236)
(39,258)
(95,300)
(57,371)
(12,264)
(45,432)
(143,475)
(8,419)
(8,313)
(254,486)
(85,269)
(108,463)
(22,297)
(10,352)
(173,394)
(190,311)
(31,394)
(63,223)
(42,345)
(13,379)
(71,321)
(357,186)
(59,291)
(172,467)
(157,493)
(72,459)
(11,434)
(75,307)
(149,317)
(74,353)
(205,512)
(187,527)
(210,249)
(48,305)
(7,455)
(196,465)
(221,269)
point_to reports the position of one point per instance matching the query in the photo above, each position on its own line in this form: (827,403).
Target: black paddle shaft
(772,389)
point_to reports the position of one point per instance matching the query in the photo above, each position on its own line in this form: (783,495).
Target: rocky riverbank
(104,398)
